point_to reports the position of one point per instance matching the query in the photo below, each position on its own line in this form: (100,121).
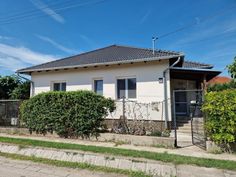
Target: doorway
(181,103)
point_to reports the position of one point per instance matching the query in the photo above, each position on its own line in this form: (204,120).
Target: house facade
(145,78)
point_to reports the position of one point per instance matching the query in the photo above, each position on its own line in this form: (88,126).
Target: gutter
(31,84)
(165,91)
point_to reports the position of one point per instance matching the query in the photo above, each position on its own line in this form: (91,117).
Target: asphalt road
(17,168)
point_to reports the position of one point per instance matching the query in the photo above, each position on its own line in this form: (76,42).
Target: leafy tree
(21,92)
(12,87)
(7,85)
(232,69)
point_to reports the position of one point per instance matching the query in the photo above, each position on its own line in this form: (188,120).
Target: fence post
(175,126)
(123,108)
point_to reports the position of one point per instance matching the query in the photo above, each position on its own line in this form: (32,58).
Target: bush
(69,114)
(220,110)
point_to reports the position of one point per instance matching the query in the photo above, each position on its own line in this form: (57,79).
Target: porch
(187,88)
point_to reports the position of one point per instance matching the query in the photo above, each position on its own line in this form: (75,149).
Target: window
(126,88)
(98,87)
(59,86)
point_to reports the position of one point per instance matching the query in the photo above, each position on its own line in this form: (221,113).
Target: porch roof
(193,73)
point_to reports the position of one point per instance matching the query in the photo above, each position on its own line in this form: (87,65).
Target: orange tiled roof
(220,80)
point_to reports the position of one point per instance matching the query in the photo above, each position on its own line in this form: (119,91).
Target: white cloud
(89,41)
(13,58)
(145,16)
(207,30)
(5,37)
(47,10)
(57,45)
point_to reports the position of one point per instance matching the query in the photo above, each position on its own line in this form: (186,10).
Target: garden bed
(118,139)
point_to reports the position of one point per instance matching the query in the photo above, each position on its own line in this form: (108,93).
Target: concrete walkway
(186,151)
(18,168)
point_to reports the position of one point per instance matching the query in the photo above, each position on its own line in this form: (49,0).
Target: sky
(38,31)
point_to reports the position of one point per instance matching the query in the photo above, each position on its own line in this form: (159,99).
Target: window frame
(94,85)
(60,86)
(126,87)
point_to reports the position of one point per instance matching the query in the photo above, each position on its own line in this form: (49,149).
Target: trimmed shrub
(69,114)
(220,110)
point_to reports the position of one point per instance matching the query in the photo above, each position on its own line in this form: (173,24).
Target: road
(17,168)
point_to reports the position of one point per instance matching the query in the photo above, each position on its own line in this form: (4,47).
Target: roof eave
(28,71)
(195,69)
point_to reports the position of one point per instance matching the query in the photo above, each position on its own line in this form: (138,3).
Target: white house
(146,78)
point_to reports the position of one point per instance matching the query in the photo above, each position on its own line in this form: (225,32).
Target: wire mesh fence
(9,113)
(138,118)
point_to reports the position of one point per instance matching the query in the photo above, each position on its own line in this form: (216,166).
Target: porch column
(204,83)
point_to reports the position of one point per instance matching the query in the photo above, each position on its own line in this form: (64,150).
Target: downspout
(31,84)
(165,91)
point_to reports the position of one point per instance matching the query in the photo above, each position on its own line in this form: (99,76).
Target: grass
(164,157)
(74,165)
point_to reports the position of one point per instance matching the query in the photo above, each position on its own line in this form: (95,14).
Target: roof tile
(110,54)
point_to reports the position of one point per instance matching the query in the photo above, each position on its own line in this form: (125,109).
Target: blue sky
(37,31)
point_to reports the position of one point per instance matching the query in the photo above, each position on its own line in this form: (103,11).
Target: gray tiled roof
(113,54)
(192,64)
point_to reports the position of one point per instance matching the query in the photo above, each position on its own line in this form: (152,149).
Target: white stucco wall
(149,90)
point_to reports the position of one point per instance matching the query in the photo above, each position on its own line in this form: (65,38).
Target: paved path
(17,168)
(186,151)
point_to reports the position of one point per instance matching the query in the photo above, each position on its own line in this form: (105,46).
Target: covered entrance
(187,89)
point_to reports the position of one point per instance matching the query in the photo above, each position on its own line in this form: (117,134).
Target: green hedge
(220,110)
(69,114)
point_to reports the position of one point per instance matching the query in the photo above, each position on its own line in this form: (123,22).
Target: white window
(59,86)
(126,88)
(98,86)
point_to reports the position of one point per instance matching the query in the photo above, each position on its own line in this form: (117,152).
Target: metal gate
(9,112)
(197,123)
(187,106)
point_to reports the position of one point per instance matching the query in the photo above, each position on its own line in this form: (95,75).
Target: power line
(59,9)
(37,13)
(195,23)
(207,39)
(49,5)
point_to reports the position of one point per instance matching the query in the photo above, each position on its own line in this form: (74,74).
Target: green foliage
(11,87)
(155,133)
(21,92)
(7,85)
(165,133)
(232,69)
(69,114)
(220,110)
(221,87)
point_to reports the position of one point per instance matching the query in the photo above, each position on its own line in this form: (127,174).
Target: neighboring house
(219,80)
(141,75)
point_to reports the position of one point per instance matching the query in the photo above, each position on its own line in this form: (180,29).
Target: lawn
(164,157)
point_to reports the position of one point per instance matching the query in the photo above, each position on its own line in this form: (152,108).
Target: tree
(7,85)
(232,69)
(12,87)
(21,92)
